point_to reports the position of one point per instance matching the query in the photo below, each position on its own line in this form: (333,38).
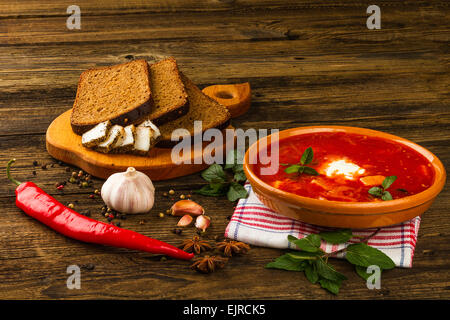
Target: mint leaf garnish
(311,273)
(225,180)
(327,271)
(301,167)
(286,263)
(240,176)
(332,286)
(236,192)
(380,192)
(293,169)
(313,261)
(214,172)
(310,243)
(336,237)
(307,156)
(376,191)
(363,255)
(211,191)
(386,196)
(388,181)
(361,271)
(304,255)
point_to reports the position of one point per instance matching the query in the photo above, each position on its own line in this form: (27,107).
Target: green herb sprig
(380,192)
(301,167)
(225,180)
(313,261)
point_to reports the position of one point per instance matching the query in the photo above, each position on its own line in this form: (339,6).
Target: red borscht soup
(346,166)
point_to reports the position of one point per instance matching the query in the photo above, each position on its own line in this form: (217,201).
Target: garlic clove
(182,207)
(185,221)
(202,222)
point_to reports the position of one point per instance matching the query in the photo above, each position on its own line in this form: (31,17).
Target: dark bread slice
(168,92)
(201,107)
(119,93)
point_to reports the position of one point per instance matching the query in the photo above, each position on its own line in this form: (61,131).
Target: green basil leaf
(305,246)
(361,254)
(315,239)
(336,237)
(285,263)
(214,172)
(236,192)
(311,171)
(303,255)
(376,191)
(326,270)
(361,271)
(239,176)
(311,273)
(388,181)
(331,286)
(310,243)
(307,156)
(386,196)
(219,186)
(292,169)
(212,191)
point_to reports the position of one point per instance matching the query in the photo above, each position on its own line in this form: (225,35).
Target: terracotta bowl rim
(330,206)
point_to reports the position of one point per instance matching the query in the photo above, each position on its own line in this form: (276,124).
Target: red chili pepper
(41,206)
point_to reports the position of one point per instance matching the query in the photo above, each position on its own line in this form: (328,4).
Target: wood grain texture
(308,62)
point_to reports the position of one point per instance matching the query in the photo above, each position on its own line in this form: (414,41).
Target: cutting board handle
(236,97)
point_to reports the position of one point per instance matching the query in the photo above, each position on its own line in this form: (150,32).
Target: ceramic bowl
(358,215)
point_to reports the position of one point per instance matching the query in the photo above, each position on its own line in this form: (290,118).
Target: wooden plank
(36,8)
(202,26)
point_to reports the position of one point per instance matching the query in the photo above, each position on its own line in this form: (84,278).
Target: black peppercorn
(89,266)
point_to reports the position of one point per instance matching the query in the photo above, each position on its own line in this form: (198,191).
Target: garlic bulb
(129,192)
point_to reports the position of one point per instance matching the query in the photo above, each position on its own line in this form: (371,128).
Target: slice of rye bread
(120,93)
(170,99)
(201,107)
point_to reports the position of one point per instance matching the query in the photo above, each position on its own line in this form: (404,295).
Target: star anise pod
(208,264)
(232,247)
(195,245)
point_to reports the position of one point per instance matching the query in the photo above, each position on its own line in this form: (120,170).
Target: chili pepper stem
(8,173)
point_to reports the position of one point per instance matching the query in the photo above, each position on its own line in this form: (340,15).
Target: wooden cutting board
(62,144)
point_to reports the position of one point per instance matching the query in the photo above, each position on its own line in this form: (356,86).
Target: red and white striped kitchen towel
(254,223)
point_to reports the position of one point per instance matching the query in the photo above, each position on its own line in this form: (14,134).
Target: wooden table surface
(308,62)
